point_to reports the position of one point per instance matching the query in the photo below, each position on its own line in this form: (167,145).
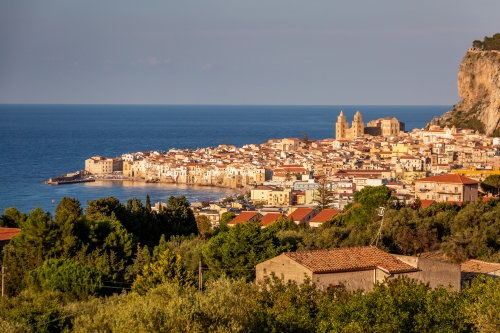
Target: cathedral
(386,127)
(343,130)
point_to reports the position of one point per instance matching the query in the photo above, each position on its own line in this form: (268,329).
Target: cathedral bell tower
(358,127)
(341,127)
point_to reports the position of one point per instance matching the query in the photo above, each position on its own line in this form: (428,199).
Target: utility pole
(381,212)
(3,278)
(200,277)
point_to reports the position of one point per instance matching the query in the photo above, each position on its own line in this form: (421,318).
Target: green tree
(491,184)
(477,44)
(204,226)
(68,209)
(282,224)
(182,217)
(77,281)
(12,218)
(237,251)
(305,139)
(168,268)
(148,202)
(323,195)
(227,217)
(373,196)
(105,208)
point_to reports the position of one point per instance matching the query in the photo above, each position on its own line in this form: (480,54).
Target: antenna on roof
(381,212)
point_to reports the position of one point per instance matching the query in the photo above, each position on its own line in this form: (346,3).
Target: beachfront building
(98,165)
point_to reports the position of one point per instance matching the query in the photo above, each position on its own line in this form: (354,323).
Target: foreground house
(302,215)
(323,216)
(6,235)
(270,218)
(471,268)
(357,268)
(245,217)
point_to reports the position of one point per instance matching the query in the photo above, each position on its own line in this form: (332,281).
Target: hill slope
(479,89)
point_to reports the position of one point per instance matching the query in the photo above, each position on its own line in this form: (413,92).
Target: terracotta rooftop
(270,218)
(449,178)
(349,259)
(244,217)
(426,203)
(7,233)
(325,215)
(300,213)
(478,266)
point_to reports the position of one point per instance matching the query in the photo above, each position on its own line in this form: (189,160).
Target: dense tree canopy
(491,184)
(237,251)
(12,218)
(489,43)
(51,255)
(65,275)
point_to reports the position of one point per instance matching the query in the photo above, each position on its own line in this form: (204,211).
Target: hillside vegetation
(117,267)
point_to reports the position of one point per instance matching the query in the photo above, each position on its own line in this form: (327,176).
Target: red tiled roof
(270,218)
(349,259)
(243,217)
(449,178)
(426,203)
(300,213)
(478,266)
(7,233)
(325,215)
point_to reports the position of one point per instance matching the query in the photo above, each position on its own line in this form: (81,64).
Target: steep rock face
(479,89)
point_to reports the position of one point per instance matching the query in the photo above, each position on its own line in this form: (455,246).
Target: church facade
(343,130)
(388,126)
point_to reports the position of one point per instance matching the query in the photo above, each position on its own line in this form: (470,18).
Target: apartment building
(446,188)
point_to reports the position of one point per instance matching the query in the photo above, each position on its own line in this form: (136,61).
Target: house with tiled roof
(323,216)
(357,268)
(245,217)
(6,235)
(471,268)
(270,218)
(302,215)
(448,187)
(427,203)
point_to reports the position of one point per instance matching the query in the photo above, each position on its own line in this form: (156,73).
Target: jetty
(81,176)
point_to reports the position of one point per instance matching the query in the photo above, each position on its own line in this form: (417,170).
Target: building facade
(98,165)
(342,127)
(447,188)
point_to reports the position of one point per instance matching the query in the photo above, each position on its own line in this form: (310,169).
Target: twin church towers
(388,126)
(343,130)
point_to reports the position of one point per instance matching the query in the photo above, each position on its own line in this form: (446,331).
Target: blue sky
(383,52)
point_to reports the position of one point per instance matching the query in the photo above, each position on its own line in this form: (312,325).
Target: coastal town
(435,165)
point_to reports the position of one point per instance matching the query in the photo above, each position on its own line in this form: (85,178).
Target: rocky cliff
(479,89)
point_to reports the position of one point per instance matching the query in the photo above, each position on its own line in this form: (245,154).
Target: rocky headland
(479,89)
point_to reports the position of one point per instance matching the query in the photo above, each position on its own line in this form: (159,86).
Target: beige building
(388,126)
(342,127)
(357,268)
(103,165)
(260,194)
(280,197)
(446,188)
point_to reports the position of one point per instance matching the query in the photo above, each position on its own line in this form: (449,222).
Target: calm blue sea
(42,141)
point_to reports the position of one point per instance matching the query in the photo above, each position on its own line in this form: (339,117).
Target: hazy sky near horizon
(385,52)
